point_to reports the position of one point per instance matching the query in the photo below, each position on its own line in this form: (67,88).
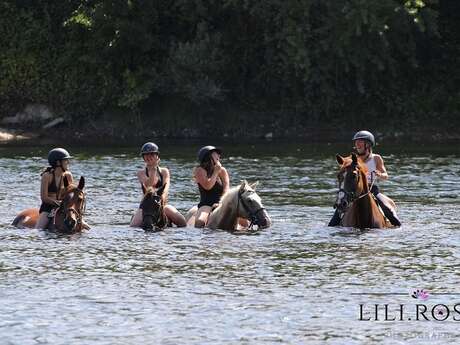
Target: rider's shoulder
(377,157)
(164,171)
(199,170)
(69,176)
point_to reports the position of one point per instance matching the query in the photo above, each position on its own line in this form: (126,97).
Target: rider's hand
(217,166)
(57,203)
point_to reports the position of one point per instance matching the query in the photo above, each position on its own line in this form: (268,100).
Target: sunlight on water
(297,282)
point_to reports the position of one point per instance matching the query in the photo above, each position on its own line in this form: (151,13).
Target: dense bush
(311,59)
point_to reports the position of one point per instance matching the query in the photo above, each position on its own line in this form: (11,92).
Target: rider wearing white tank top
(371,165)
(363,143)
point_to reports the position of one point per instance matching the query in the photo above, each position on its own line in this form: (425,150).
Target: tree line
(309,59)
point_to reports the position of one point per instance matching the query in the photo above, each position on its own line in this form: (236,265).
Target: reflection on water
(293,283)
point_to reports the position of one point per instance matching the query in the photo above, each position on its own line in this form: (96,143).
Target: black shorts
(375,190)
(46,208)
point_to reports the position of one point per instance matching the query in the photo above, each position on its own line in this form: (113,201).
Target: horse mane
(221,214)
(226,198)
(348,161)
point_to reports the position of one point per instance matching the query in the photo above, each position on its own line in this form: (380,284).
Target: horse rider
(363,142)
(212,180)
(152,175)
(52,186)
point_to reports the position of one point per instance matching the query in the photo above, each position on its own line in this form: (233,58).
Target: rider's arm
(69,177)
(142,178)
(46,177)
(225,179)
(381,172)
(166,179)
(205,181)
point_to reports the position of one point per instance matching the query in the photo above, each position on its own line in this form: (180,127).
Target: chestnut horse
(68,217)
(153,216)
(239,202)
(355,202)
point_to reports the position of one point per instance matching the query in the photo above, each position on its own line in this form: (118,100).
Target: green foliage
(312,59)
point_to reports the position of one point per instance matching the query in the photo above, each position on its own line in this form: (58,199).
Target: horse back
(27,218)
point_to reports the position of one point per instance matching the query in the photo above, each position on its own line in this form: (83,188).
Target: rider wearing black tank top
(159,182)
(209,197)
(159,178)
(212,180)
(52,189)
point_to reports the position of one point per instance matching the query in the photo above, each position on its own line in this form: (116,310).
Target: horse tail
(18,220)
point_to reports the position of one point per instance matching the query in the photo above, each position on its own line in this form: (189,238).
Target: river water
(298,282)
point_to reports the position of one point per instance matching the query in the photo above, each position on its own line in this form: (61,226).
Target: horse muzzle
(263,220)
(341,205)
(70,224)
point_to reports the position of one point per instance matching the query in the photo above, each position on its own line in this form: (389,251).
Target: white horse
(238,202)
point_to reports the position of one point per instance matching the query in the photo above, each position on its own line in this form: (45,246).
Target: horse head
(250,206)
(152,210)
(352,181)
(69,216)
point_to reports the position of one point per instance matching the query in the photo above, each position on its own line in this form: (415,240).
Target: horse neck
(364,213)
(226,215)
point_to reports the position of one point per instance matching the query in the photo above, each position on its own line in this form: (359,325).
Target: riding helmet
(365,135)
(149,148)
(207,150)
(56,155)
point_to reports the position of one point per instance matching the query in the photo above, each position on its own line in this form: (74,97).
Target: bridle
(351,195)
(79,213)
(157,213)
(254,219)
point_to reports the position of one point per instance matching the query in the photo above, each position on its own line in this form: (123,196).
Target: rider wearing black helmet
(363,142)
(159,178)
(212,180)
(52,185)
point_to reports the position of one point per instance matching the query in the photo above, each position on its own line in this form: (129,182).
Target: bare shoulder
(47,176)
(378,158)
(164,171)
(199,171)
(69,176)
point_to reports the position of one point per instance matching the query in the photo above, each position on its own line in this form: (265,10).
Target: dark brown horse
(355,202)
(68,217)
(153,216)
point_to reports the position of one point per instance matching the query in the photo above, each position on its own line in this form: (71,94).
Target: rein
(79,213)
(351,195)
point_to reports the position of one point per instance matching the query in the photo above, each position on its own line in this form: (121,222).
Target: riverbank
(125,133)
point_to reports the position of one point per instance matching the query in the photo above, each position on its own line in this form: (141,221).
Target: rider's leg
(388,211)
(335,220)
(43,221)
(136,221)
(202,215)
(190,216)
(175,216)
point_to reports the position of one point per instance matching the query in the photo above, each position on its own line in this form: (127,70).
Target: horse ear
(66,181)
(81,183)
(254,185)
(243,185)
(339,159)
(354,158)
